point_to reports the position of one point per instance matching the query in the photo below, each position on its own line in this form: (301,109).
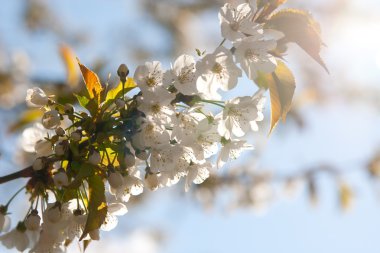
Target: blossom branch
(24,173)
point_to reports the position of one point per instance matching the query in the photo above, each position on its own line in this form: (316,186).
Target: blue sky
(342,132)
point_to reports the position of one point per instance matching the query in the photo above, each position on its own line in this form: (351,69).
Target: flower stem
(214,102)
(14,195)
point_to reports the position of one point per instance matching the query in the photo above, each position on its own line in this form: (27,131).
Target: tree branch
(24,173)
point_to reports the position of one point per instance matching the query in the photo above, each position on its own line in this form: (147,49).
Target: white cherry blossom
(36,97)
(16,238)
(197,174)
(152,134)
(217,71)
(241,115)
(43,148)
(111,221)
(253,55)
(33,222)
(158,111)
(60,179)
(183,75)
(31,135)
(149,78)
(51,119)
(236,21)
(231,149)
(5,222)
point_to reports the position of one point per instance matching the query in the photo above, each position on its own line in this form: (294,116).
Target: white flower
(231,150)
(31,135)
(152,135)
(129,160)
(217,71)
(240,115)
(39,163)
(183,75)
(36,97)
(111,221)
(133,185)
(17,238)
(60,179)
(60,131)
(187,125)
(43,148)
(158,111)
(54,228)
(197,173)
(161,96)
(53,214)
(252,54)
(33,221)
(194,130)
(5,222)
(61,147)
(149,78)
(152,181)
(172,162)
(51,119)
(76,225)
(116,180)
(236,21)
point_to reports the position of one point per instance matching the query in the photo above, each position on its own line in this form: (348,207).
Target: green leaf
(90,104)
(26,118)
(281,85)
(83,100)
(117,92)
(85,170)
(97,205)
(301,28)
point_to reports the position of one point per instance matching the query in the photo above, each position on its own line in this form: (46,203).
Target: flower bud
(152,181)
(53,214)
(123,72)
(60,131)
(60,179)
(68,108)
(129,160)
(43,148)
(51,119)
(119,103)
(94,234)
(76,136)
(39,163)
(5,221)
(33,221)
(115,180)
(94,158)
(36,97)
(61,148)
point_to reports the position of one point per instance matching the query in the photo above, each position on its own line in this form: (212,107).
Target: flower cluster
(91,160)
